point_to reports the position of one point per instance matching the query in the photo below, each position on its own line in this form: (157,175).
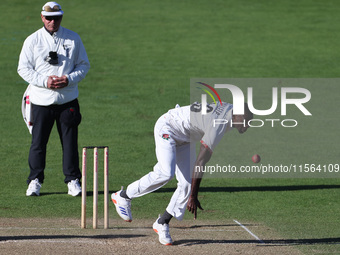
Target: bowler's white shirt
(33,68)
(188,124)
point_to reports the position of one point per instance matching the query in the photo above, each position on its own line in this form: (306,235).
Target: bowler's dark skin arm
(203,157)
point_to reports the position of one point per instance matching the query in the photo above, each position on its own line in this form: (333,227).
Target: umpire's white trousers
(172,160)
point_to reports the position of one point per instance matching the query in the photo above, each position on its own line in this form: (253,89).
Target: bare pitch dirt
(64,236)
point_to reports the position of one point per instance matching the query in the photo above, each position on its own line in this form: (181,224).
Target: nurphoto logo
(295,96)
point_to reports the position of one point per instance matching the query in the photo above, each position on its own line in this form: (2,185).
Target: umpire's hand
(55,82)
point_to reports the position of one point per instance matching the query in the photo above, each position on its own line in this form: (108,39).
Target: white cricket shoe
(163,232)
(33,188)
(123,206)
(74,188)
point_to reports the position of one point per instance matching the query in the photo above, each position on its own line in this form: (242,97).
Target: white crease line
(252,234)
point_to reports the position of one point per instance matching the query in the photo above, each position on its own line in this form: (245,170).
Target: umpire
(53,61)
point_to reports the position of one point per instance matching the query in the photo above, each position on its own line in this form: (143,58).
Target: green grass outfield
(142,55)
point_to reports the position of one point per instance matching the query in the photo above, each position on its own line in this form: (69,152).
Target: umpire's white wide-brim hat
(52,9)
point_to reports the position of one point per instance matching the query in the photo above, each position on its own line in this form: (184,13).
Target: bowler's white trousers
(173,159)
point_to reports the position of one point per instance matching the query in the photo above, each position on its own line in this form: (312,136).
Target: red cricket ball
(256,158)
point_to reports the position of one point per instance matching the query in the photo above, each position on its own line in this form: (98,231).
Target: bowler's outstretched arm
(204,156)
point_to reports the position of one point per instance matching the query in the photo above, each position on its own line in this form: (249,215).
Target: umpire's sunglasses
(55,18)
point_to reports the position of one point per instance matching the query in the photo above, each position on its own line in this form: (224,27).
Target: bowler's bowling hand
(192,205)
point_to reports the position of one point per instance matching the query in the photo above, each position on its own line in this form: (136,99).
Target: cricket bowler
(176,134)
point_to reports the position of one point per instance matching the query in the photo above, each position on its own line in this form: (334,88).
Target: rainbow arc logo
(209,93)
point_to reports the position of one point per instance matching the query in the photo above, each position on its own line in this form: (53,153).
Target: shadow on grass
(257,188)
(88,193)
(224,189)
(213,226)
(55,237)
(189,242)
